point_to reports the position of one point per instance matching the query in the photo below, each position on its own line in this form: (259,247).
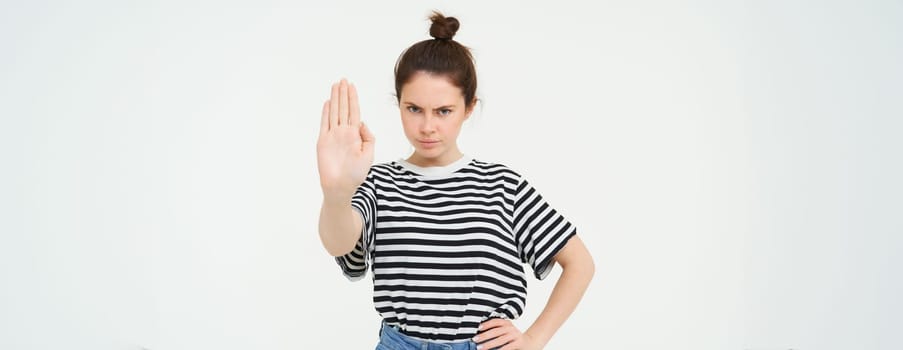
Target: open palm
(345,145)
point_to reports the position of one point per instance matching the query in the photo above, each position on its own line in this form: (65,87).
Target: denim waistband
(394,338)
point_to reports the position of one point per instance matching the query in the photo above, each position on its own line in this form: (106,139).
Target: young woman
(446,235)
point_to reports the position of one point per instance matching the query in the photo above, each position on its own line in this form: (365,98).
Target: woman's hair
(439,56)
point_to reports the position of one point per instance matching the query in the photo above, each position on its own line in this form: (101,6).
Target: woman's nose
(429,125)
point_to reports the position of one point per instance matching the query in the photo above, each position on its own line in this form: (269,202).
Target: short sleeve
(354,264)
(540,231)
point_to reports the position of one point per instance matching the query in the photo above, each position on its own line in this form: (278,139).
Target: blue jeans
(390,338)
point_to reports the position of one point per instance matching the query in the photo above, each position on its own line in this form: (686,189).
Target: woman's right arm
(340,226)
(344,156)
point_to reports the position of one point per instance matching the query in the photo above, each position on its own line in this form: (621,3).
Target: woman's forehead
(425,90)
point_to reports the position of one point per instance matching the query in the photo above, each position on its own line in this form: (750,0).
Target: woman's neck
(442,160)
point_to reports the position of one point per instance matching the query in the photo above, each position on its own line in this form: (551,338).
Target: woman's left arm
(577,271)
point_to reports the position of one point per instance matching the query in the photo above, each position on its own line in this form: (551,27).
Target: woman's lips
(428,143)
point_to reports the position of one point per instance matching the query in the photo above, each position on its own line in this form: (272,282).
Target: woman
(446,234)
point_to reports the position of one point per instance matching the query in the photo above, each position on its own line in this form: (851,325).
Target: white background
(733,166)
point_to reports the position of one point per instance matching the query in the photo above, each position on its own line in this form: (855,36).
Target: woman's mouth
(428,143)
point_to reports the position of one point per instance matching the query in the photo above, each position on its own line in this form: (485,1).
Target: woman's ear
(469,109)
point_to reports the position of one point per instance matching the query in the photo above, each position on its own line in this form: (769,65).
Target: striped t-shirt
(447,244)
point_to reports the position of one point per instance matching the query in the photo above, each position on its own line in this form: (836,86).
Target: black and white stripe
(447,251)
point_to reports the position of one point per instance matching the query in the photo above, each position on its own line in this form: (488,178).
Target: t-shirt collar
(433,171)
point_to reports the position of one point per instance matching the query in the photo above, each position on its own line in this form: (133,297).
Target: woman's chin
(428,153)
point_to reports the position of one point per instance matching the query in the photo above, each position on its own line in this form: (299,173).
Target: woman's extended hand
(345,145)
(501,334)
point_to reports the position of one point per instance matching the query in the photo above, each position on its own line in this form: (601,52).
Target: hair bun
(443,28)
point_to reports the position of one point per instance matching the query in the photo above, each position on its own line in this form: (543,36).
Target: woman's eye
(413,109)
(444,112)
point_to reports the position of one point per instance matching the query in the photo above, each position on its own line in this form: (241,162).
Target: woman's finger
(324,120)
(489,334)
(366,134)
(495,333)
(343,103)
(334,106)
(515,345)
(497,342)
(355,117)
(492,323)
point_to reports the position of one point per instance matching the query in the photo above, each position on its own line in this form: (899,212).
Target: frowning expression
(432,112)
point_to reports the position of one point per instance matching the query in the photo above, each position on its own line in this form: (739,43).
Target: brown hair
(441,56)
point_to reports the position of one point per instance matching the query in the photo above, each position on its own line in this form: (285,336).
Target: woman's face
(432,112)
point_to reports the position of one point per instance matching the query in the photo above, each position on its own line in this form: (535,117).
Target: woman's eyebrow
(409,103)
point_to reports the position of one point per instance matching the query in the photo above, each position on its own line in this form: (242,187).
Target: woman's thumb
(367,136)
